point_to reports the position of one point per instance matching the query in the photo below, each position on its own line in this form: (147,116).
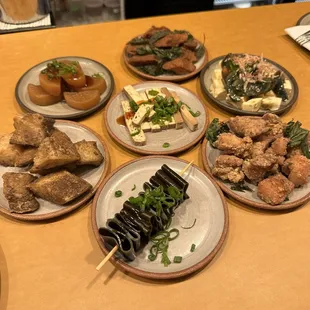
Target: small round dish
(179,140)
(206,204)
(304,20)
(205,83)
(298,197)
(95,176)
(61,110)
(169,78)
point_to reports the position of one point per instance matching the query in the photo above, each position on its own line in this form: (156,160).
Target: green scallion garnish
(177,259)
(118,193)
(166,144)
(193,247)
(134,187)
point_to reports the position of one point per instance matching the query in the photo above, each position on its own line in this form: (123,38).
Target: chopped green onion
(193,247)
(189,227)
(118,193)
(166,144)
(153,92)
(133,106)
(134,187)
(136,132)
(97,75)
(177,259)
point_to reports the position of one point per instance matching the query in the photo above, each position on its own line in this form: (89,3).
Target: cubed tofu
(143,95)
(271,103)
(136,133)
(133,94)
(252,105)
(288,86)
(189,119)
(141,114)
(152,96)
(172,123)
(155,127)
(218,92)
(146,126)
(217,87)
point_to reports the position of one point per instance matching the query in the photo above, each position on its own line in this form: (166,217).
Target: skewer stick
(116,247)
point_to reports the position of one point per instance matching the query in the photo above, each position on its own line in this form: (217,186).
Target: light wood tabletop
(264,263)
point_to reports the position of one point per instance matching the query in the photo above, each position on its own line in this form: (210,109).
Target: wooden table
(264,263)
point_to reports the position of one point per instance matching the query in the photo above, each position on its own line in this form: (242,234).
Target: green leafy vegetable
(158,35)
(215,129)
(136,132)
(177,259)
(193,247)
(153,92)
(296,134)
(138,41)
(133,106)
(190,36)
(166,144)
(189,227)
(118,193)
(240,187)
(134,187)
(153,70)
(167,54)
(144,50)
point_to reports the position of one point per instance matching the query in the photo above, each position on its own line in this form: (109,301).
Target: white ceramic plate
(206,204)
(94,176)
(304,20)
(61,110)
(297,197)
(206,81)
(179,140)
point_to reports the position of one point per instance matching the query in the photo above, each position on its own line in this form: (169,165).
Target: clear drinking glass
(23,11)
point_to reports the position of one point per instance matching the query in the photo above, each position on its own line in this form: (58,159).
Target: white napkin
(297,31)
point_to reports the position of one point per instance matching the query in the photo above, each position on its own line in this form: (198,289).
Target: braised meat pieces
(163,51)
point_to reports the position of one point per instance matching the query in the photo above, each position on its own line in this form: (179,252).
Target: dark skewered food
(146,215)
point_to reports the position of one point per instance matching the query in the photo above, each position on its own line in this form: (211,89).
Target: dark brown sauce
(121,120)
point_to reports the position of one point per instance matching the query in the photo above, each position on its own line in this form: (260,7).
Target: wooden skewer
(116,247)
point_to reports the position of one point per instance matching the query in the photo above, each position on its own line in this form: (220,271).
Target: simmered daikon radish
(83,100)
(40,97)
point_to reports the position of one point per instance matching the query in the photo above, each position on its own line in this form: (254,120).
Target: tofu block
(288,86)
(146,126)
(141,114)
(132,94)
(172,123)
(137,138)
(217,88)
(189,119)
(143,95)
(152,97)
(252,105)
(271,103)
(155,127)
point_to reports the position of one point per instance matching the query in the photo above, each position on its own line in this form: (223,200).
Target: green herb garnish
(136,132)
(153,92)
(215,129)
(193,247)
(286,198)
(177,259)
(296,134)
(98,75)
(189,227)
(133,106)
(138,41)
(239,187)
(134,187)
(118,193)
(195,114)
(160,245)
(166,144)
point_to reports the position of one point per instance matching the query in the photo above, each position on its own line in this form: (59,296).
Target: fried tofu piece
(14,155)
(179,65)
(59,187)
(20,198)
(172,40)
(55,151)
(31,129)
(89,153)
(274,189)
(143,60)
(248,126)
(228,167)
(231,144)
(297,168)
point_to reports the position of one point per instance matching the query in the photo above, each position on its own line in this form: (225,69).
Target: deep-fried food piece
(153,30)
(274,189)
(234,145)
(256,168)
(279,146)
(31,129)
(294,151)
(20,198)
(89,153)
(259,148)
(298,169)
(228,167)
(59,187)
(275,128)
(55,151)
(248,126)
(13,154)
